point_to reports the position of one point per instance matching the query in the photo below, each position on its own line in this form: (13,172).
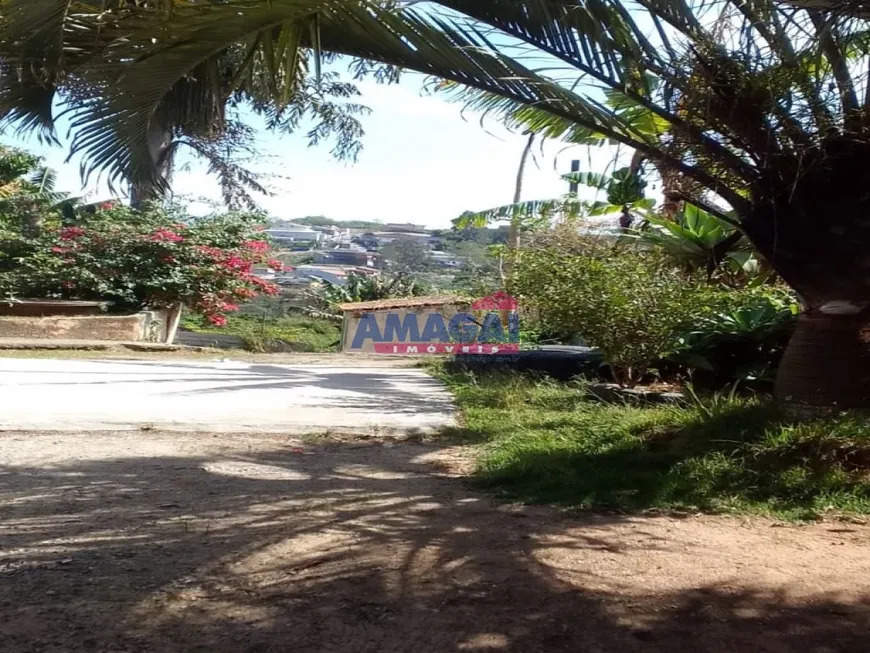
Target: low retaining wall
(147,326)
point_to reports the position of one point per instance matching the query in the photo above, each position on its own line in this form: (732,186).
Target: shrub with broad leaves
(153,258)
(629,303)
(744,339)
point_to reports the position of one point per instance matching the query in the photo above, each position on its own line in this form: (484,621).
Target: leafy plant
(28,196)
(327,296)
(142,258)
(744,340)
(696,240)
(628,303)
(624,191)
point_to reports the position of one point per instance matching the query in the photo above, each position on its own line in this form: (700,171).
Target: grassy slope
(544,442)
(303,333)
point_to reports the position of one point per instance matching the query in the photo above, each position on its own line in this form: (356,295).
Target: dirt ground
(126,543)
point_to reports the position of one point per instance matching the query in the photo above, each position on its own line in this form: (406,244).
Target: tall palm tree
(513,231)
(766,105)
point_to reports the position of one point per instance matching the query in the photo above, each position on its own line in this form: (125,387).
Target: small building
(350,256)
(387,237)
(335,274)
(446,259)
(290,235)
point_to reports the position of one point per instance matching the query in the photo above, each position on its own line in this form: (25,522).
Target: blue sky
(422,162)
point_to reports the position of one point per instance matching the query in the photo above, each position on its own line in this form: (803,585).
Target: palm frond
(713,91)
(525,215)
(596,180)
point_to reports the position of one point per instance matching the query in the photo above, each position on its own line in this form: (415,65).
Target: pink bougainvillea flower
(71,233)
(212,252)
(217,320)
(245,293)
(265,286)
(166,236)
(59,250)
(256,246)
(236,262)
(276,265)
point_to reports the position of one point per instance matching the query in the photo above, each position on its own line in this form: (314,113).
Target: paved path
(74,395)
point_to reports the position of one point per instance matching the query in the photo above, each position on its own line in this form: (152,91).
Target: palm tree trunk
(513,241)
(826,364)
(160,147)
(31,222)
(824,258)
(514,232)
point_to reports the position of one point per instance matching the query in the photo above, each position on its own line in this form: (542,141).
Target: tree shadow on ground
(348,549)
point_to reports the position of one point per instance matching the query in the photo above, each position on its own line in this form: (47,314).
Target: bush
(152,258)
(327,296)
(744,340)
(628,303)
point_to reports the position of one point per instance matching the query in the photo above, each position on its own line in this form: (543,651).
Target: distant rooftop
(416,228)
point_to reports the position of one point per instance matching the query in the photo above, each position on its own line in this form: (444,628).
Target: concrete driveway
(75,395)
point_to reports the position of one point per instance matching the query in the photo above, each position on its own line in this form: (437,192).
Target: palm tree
(763,104)
(27,190)
(513,231)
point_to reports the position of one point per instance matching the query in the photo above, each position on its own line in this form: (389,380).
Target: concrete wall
(147,326)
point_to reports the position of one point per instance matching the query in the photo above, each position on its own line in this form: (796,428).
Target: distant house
(406,228)
(446,259)
(359,257)
(290,235)
(335,274)
(387,237)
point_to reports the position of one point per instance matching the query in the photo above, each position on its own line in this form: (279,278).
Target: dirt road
(140,542)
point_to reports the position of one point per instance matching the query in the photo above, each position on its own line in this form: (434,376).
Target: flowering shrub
(137,259)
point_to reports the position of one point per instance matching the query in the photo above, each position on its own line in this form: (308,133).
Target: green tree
(631,304)
(763,104)
(327,297)
(27,191)
(406,256)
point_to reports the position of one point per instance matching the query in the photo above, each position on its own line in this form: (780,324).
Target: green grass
(544,442)
(302,334)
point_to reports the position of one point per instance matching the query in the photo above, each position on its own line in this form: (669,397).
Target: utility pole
(575,167)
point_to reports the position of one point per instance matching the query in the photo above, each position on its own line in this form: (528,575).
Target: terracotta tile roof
(406,302)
